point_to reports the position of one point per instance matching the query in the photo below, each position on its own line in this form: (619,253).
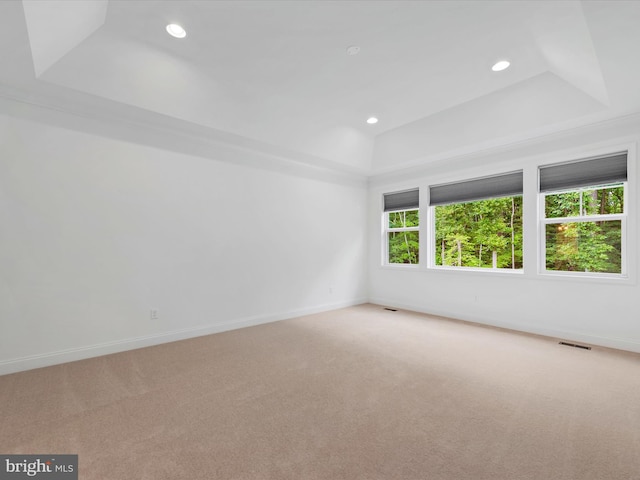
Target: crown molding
(505,151)
(73,110)
(96,116)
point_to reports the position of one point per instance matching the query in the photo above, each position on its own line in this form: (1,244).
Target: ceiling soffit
(56,27)
(277,72)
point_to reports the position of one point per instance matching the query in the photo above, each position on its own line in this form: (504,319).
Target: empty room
(319,240)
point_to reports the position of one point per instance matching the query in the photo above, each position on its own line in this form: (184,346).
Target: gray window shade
(585,173)
(406,200)
(478,189)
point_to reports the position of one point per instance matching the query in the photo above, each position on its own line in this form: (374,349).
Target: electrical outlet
(154,314)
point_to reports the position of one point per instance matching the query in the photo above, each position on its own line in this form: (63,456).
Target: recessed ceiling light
(372,120)
(176,30)
(501,65)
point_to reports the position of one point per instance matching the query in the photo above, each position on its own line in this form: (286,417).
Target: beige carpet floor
(358,393)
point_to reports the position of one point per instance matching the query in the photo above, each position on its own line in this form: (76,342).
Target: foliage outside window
(403,237)
(482,233)
(583,229)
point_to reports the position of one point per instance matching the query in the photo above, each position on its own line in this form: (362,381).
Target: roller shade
(504,185)
(585,173)
(405,200)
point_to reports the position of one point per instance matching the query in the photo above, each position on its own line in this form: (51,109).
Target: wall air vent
(584,347)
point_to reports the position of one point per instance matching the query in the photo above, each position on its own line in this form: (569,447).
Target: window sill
(472,270)
(586,277)
(505,272)
(478,270)
(401,266)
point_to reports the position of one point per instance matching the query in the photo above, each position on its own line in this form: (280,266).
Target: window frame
(469,180)
(387,230)
(533,249)
(543,221)
(432,244)
(402,200)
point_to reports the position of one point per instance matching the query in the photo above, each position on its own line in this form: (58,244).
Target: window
(583,215)
(401,221)
(478,223)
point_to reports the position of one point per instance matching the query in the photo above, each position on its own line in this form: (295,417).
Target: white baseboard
(63,356)
(609,342)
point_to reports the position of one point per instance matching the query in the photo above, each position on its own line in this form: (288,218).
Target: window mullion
(405,229)
(584,218)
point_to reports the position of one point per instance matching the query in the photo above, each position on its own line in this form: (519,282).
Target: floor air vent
(391,309)
(584,347)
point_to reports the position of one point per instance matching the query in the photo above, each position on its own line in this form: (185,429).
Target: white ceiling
(276,75)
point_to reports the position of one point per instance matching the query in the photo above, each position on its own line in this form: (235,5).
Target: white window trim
(432,252)
(385,239)
(542,240)
(533,253)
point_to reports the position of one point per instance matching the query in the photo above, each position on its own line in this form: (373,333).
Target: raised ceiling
(276,75)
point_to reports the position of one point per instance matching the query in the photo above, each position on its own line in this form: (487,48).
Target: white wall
(602,312)
(95,232)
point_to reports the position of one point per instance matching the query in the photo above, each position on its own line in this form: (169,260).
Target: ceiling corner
(567,46)
(55,27)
